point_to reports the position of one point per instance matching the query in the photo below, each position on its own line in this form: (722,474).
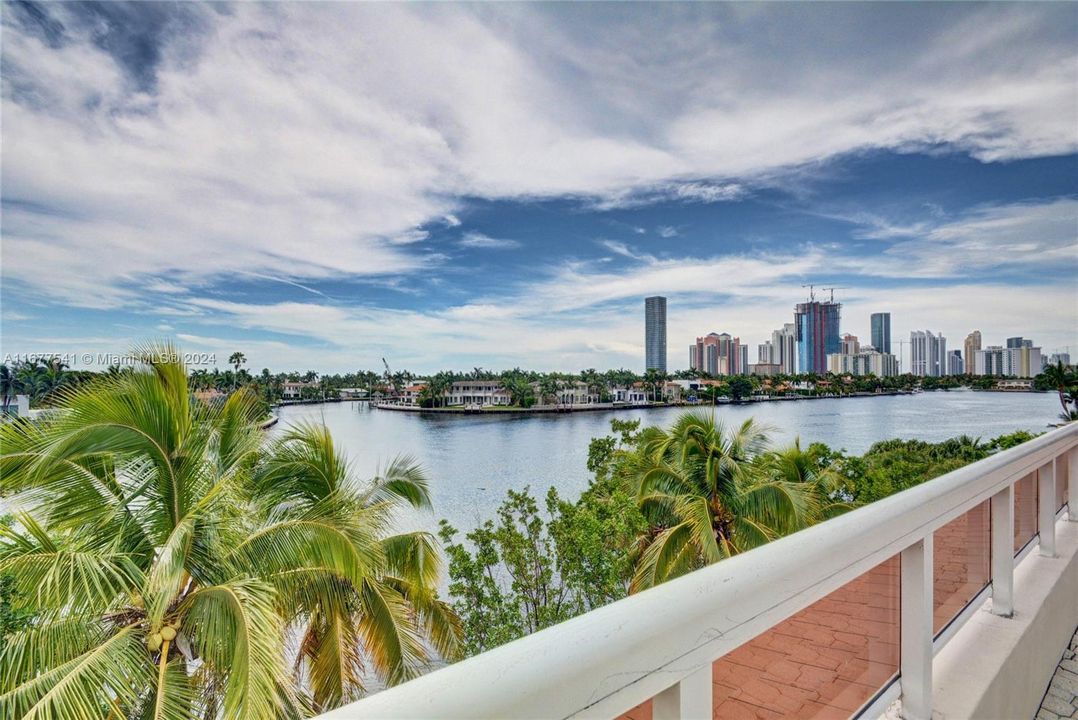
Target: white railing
(660,644)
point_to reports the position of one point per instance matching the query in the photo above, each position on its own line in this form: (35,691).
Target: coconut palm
(706,498)
(799,467)
(179,566)
(1059,378)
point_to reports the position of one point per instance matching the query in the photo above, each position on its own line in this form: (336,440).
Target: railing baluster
(916,630)
(1046,508)
(1003,552)
(1072,485)
(689,699)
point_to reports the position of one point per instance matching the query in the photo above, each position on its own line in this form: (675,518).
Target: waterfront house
(292,390)
(634,395)
(478,393)
(210,396)
(1015,385)
(577,394)
(410,394)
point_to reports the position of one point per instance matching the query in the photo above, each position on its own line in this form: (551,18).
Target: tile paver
(1061,700)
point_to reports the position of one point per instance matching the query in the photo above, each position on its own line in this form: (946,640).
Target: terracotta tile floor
(824,662)
(830,659)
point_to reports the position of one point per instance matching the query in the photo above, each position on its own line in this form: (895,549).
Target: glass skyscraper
(881,332)
(817,334)
(655,333)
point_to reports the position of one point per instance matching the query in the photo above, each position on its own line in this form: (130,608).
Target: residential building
(1060,357)
(634,395)
(1025,360)
(291,390)
(992,361)
(881,331)
(817,334)
(866,361)
(478,393)
(955,366)
(655,333)
(410,394)
(720,354)
(1017,342)
(765,369)
(784,344)
(765,353)
(928,354)
(850,345)
(577,394)
(971,347)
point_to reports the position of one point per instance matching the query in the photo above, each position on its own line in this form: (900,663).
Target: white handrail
(606,661)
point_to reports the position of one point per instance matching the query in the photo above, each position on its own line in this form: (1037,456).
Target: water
(472,460)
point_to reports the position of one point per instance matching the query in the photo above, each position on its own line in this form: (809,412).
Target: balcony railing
(834,621)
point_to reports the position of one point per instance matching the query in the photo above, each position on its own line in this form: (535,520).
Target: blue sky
(324,185)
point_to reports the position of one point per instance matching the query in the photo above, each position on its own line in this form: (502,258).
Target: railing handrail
(610,659)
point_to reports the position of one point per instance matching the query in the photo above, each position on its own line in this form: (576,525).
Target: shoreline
(608,407)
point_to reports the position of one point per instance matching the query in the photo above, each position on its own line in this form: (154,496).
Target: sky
(321,186)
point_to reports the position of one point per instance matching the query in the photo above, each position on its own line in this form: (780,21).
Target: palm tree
(7,385)
(168,554)
(800,467)
(1058,377)
(706,499)
(236,359)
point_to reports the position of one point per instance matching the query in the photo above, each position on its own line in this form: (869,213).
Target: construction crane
(833,289)
(812,291)
(389,379)
(902,351)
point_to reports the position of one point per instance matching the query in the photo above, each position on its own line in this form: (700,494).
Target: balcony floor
(1061,700)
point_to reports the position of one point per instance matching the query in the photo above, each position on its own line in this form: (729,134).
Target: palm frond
(238,634)
(89,685)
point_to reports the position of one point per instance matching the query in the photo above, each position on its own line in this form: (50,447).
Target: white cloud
(311,141)
(1006,237)
(485,242)
(667,231)
(451,220)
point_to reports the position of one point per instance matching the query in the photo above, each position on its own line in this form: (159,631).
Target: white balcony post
(1003,552)
(689,699)
(1072,484)
(916,631)
(1046,508)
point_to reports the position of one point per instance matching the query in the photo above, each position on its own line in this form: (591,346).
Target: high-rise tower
(881,332)
(655,333)
(817,334)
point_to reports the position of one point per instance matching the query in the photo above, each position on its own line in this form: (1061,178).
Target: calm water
(473,459)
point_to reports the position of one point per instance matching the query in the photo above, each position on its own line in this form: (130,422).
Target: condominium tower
(881,332)
(970,349)
(928,354)
(655,333)
(719,354)
(784,348)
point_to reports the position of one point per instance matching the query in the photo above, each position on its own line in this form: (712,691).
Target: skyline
(259,178)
